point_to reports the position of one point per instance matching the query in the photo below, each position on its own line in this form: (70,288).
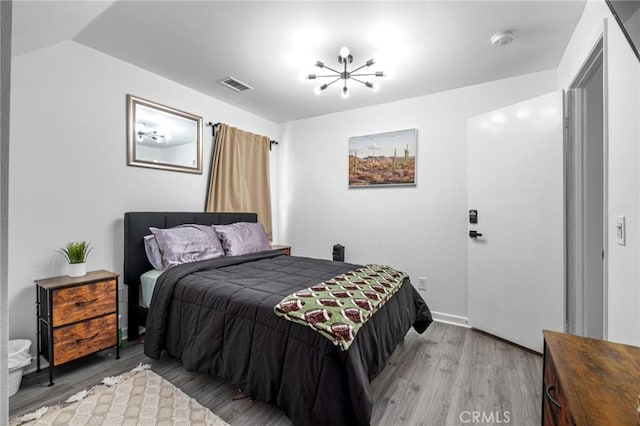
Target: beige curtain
(240,175)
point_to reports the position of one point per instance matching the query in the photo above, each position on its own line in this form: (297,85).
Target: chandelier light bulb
(376,87)
(345,92)
(344,52)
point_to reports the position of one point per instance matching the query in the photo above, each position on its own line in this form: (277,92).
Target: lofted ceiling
(423,46)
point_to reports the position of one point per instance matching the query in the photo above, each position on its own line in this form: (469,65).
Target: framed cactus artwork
(383,159)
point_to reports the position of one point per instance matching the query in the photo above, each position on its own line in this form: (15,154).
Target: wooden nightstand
(76,317)
(284,249)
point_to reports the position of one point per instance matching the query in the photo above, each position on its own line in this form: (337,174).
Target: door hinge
(602,254)
(566,122)
(566,326)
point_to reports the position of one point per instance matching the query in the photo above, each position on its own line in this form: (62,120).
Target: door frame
(574,194)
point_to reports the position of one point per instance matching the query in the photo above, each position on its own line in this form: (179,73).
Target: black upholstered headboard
(136,226)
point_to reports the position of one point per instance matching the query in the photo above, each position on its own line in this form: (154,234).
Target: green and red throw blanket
(338,307)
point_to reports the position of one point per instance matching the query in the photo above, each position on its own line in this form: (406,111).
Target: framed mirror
(161,137)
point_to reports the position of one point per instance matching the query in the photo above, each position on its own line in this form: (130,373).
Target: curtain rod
(215,125)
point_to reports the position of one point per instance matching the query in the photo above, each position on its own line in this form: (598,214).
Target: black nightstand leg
(118,325)
(50,331)
(38,351)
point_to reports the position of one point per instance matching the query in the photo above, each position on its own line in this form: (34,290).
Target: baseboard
(450,319)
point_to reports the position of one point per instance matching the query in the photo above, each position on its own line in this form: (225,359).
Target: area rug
(139,397)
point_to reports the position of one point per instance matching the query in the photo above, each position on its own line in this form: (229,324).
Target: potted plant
(76,254)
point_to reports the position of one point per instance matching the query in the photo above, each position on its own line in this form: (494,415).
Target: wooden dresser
(76,317)
(589,382)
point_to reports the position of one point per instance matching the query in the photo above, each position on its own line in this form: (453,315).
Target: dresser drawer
(85,301)
(74,341)
(553,393)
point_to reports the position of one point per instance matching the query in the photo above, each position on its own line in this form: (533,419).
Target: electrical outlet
(422,283)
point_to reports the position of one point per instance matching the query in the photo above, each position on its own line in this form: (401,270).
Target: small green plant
(76,252)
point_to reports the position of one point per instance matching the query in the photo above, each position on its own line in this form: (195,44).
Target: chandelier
(345,58)
(153,135)
(145,132)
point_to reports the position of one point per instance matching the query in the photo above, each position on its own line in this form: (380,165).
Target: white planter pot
(77,269)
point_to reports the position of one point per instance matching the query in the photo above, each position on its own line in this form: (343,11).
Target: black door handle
(474,234)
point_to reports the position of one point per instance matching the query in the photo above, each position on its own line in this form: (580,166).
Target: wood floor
(445,376)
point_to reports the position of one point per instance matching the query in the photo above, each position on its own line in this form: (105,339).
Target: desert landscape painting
(383,159)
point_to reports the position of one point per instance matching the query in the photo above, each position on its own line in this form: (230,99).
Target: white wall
(69,179)
(623,80)
(421,230)
(622,110)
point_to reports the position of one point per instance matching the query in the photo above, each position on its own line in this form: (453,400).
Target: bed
(217,316)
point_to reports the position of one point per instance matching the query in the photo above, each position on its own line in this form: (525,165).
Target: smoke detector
(502,38)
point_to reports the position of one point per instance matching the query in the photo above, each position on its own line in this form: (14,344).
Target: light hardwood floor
(445,376)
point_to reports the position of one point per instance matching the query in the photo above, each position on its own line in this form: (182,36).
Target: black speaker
(338,253)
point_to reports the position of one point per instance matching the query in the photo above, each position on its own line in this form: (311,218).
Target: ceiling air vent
(235,84)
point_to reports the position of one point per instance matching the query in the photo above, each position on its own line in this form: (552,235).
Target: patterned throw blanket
(338,307)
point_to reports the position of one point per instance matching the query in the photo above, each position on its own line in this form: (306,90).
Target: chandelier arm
(325,76)
(364,75)
(331,69)
(358,80)
(358,69)
(337,79)
(330,83)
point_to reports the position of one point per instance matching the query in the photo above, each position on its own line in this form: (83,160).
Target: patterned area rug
(139,397)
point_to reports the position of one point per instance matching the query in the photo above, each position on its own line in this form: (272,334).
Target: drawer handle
(547,391)
(86,302)
(87,338)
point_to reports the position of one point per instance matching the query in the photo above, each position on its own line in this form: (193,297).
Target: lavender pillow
(242,238)
(153,252)
(187,243)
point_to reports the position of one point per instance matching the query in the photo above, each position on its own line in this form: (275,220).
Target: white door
(515,183)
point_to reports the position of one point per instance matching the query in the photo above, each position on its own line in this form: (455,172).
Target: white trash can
(19,357)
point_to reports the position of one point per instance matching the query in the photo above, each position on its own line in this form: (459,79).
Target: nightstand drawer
(78,303)
(80,339)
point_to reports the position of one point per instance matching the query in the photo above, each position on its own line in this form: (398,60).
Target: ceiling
(423,46)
